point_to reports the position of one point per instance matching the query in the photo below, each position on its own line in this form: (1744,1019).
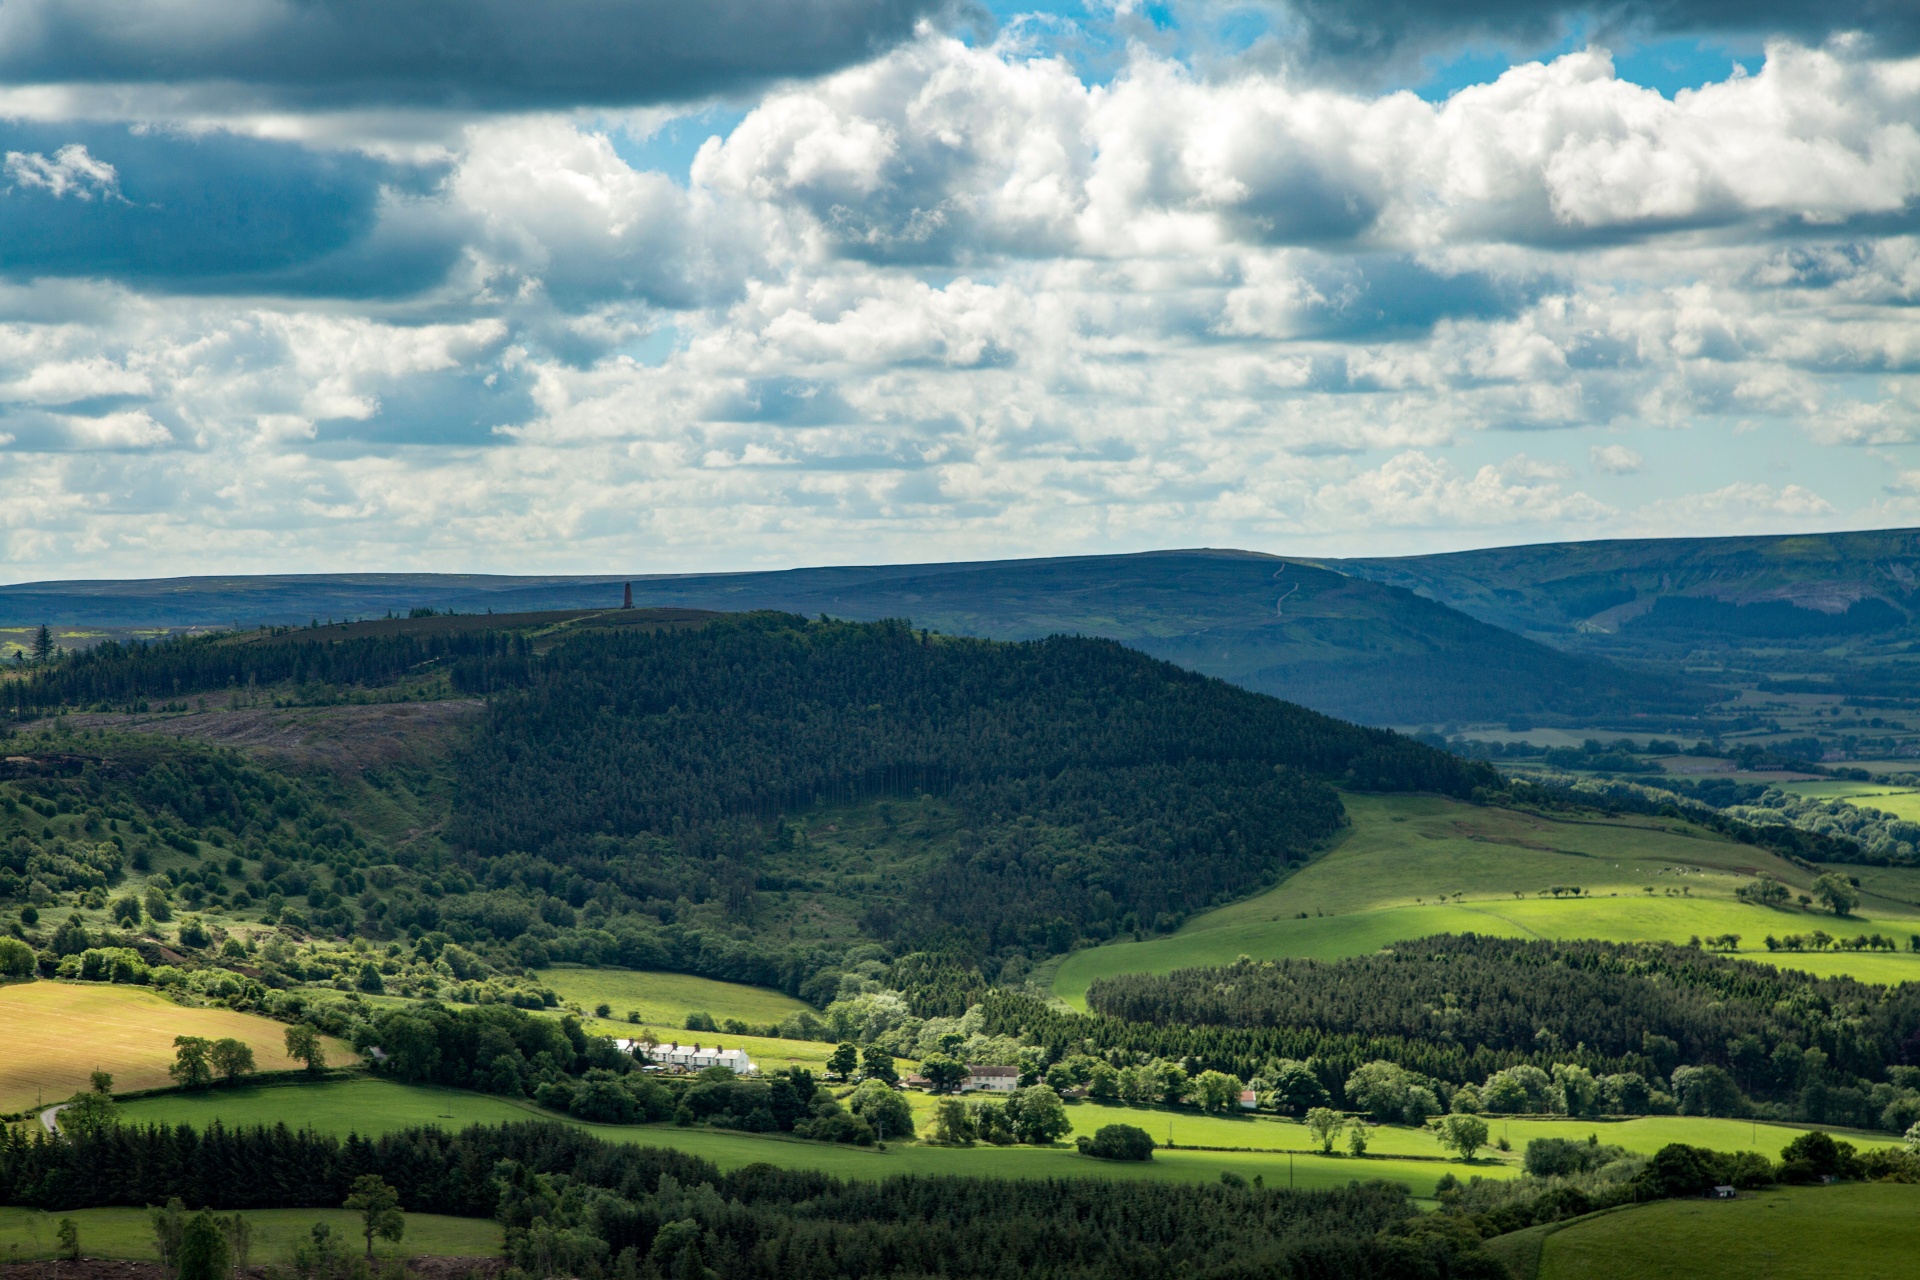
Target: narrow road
(50,1118)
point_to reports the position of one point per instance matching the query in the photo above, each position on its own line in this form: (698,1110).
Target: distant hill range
(1613,632)
(1342,644)
(1659,590)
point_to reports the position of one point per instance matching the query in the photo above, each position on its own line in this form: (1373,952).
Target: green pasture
(370,1107)
(1279,1148)
(1901,802)
(1402,849)
(1792,1233)
(767,1052)
(128,1234)
(1643,1134)
(366,1106)
(1895,884)
(665,999)
(1395,874)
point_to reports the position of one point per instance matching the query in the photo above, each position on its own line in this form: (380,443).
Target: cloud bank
(927,296)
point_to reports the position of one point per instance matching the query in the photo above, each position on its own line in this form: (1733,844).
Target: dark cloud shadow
(474,54)
(209,213)
(1377,34)
(1391,295)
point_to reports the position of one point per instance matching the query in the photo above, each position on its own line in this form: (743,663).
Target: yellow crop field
(55,1033)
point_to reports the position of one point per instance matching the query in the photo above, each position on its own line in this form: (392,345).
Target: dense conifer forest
(1102,791)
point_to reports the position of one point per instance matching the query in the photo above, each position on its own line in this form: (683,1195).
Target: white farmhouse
(692,1057)
(991,1080)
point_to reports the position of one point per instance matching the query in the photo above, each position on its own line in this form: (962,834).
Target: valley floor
(1278,1150)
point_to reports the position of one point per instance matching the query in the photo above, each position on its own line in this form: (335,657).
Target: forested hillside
(1099,789)
(746,796)
(316,662)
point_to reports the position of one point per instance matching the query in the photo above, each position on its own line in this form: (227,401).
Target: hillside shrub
(16,959)
(1117,1142)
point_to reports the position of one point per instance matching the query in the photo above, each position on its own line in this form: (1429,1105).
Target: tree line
(576,1205)
(1525,994)
(1727,1037)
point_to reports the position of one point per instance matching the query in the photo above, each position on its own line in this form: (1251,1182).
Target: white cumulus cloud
(1615,459)
(71,171)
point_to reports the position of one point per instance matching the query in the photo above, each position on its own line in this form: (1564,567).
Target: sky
(607,286)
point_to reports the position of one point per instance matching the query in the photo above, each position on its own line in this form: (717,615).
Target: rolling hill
(1341,644)
(1629,596)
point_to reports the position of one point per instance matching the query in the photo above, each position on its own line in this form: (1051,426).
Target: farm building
(1249,1100)
(991,1080)
(692,1057)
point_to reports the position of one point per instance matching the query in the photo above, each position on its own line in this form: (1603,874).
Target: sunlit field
(57,1033)
(128,1233)
(1396,873)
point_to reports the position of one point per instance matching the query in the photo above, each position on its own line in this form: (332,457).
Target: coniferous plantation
(1101,790)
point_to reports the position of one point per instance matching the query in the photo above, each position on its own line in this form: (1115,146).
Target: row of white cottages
(692,1057)
(695,1057)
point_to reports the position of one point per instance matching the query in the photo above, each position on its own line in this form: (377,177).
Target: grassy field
(1902,802)
(1397,872)
(128,1234)
(1644,1135)
(1279,1148)
(766,1051)
(1798,1233)
(58,1032)
(371,1107)
(365,1106)
(663,1000)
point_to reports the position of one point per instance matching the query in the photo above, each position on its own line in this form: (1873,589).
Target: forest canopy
(1101,789)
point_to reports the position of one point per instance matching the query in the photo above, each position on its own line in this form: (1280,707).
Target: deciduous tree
(1324,1124)
(231,1058)
(203,1249)
(191,1068)
(303,1045)
(943,1074)
(1836,893)
(1463,1134)
(379,1208)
